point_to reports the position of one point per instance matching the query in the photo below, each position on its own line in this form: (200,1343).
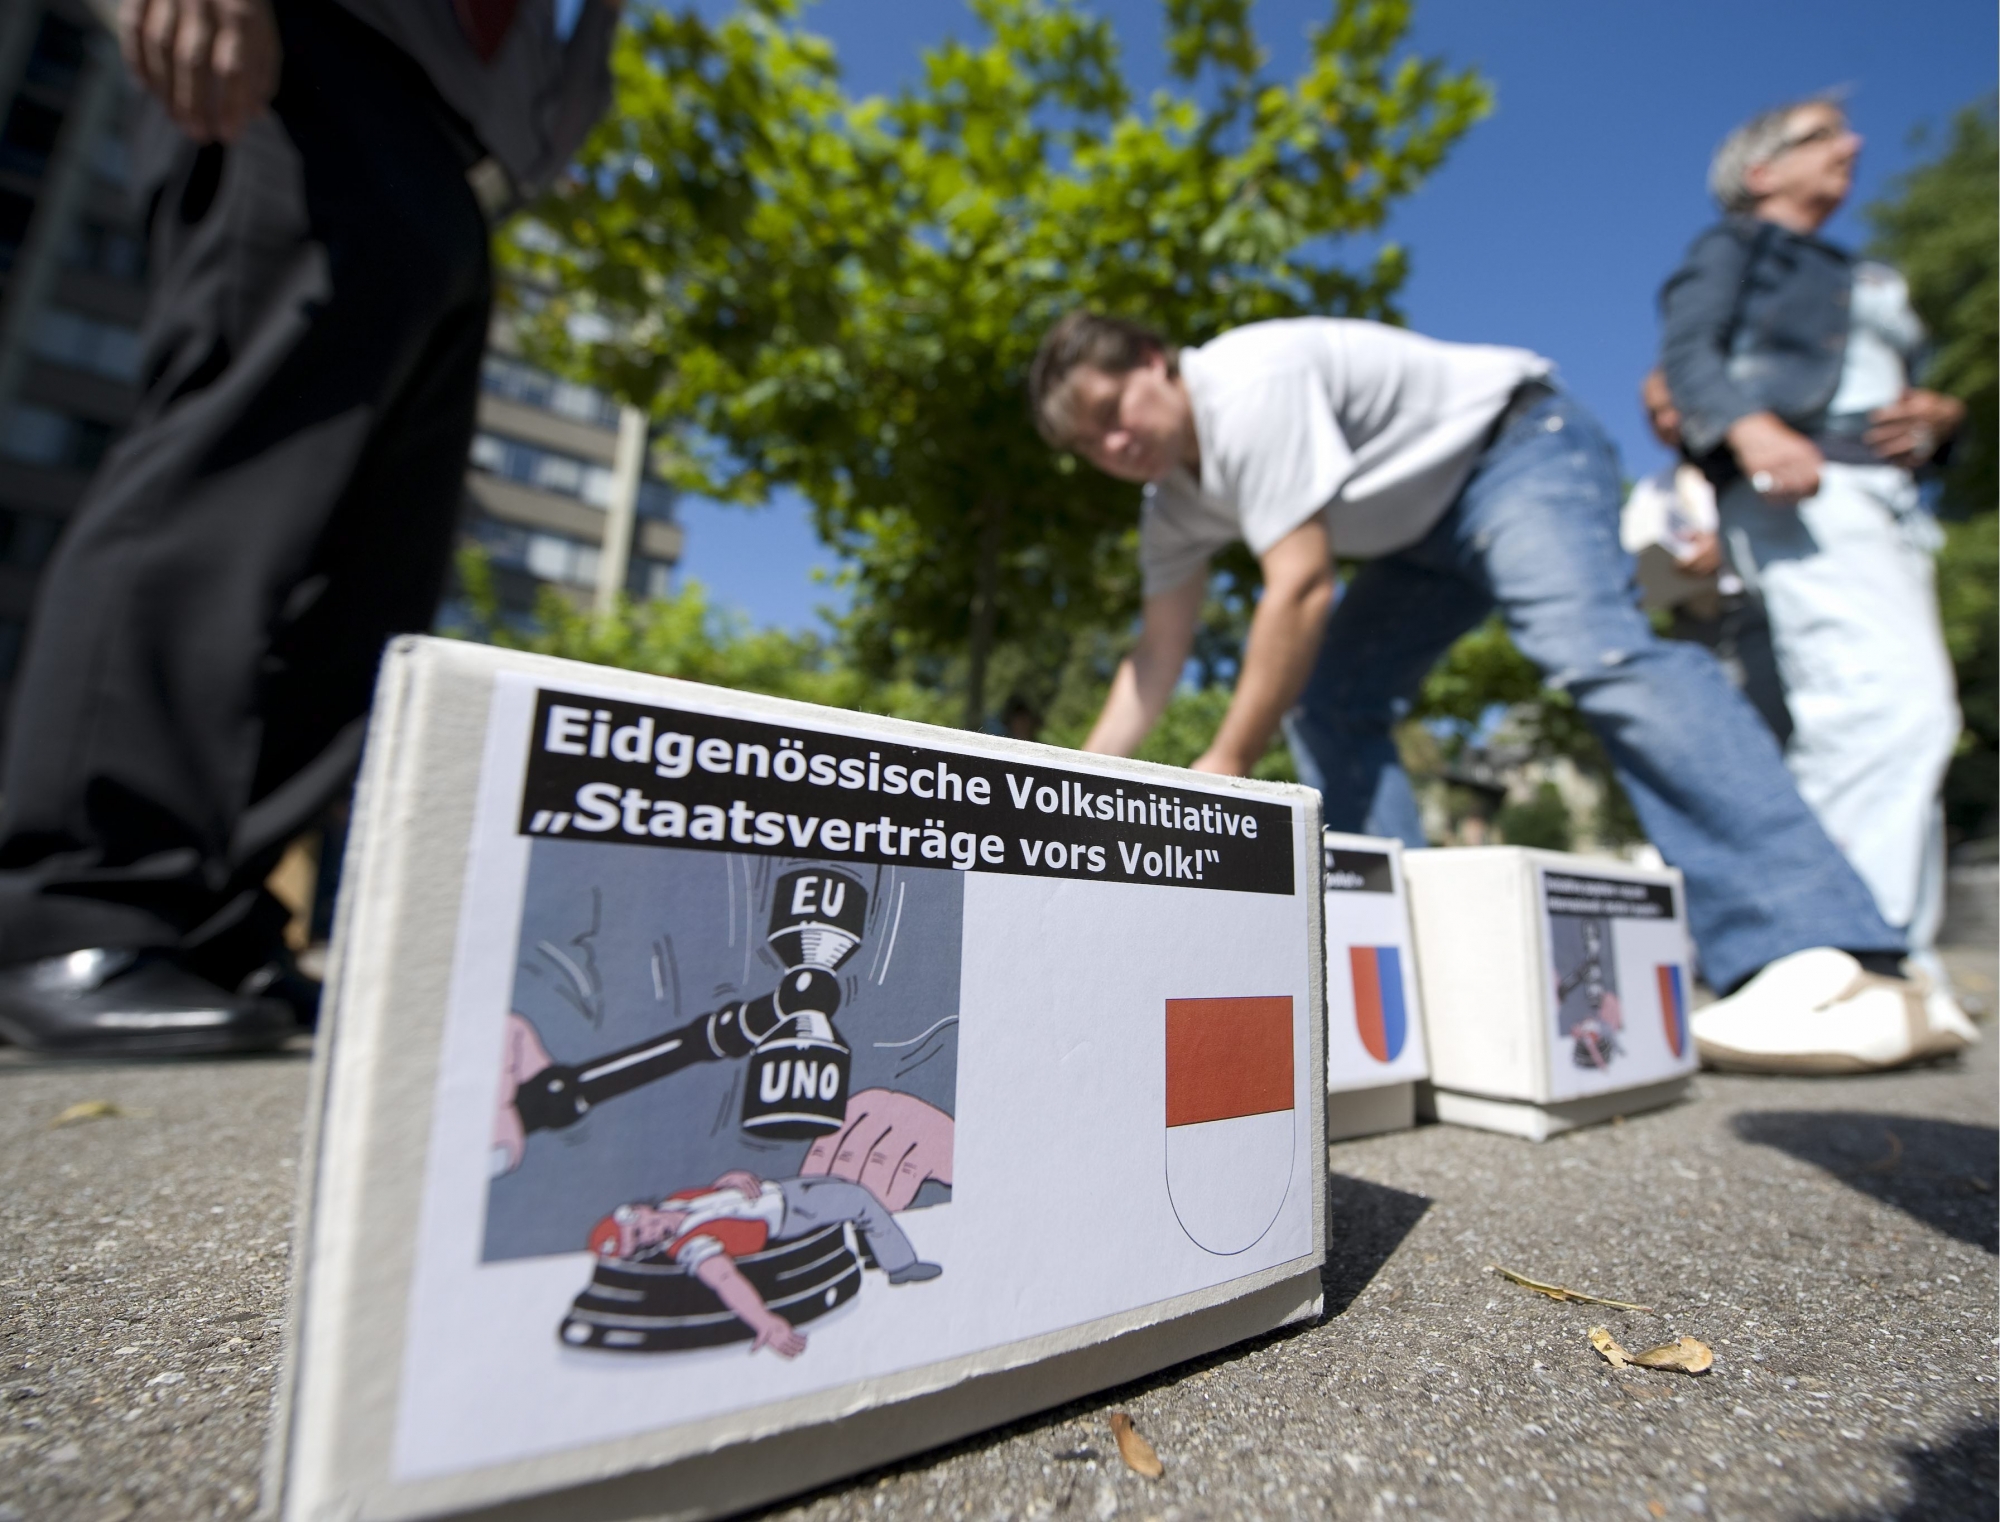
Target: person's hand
(1783,464)
(743,1182)
(1219,763)
(1909,431)
(1661,413)
(522,1055)
(891,1144)
(1703,556)
(212,63)
(779,1335)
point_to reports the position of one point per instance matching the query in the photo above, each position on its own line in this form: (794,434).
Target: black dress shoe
(281,979)
(102,1003)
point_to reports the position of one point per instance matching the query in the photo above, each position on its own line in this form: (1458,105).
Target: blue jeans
(1535,533)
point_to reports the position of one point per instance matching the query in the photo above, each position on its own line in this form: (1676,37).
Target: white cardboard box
(1556,987)
(1374,1009)
(719,1095)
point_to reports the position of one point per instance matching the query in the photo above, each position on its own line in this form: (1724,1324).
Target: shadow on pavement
(1365,1223)
(1959,1482)
(1940,1171)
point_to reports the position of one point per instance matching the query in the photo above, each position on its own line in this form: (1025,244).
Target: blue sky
(1555,220)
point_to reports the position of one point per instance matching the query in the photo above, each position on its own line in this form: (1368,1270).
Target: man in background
(1674,533)
(318,176)
(1467,481)
(1790,364)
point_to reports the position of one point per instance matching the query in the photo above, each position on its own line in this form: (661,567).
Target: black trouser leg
(205,642)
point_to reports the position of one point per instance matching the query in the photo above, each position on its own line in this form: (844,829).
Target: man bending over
(1467,480)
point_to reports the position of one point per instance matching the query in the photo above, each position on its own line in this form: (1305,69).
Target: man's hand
(1661,413)
(1911,429)
(1703,556)
(1284,641)
(891,1144)
(212,63)
(1782,464)
(743,1182)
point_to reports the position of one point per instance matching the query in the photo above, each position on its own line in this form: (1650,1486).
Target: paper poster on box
(1617,968)
(1375,1029)
(785,1055)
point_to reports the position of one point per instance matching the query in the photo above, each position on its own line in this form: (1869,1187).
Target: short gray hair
(1757,141)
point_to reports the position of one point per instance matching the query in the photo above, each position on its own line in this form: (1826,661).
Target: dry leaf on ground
(1887,1163)
(1689,1355)
(89,1109)
(1605,1343)
(1137,1453)
(1559,1292)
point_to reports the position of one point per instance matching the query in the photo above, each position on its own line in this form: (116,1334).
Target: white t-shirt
(1883,336)
(1371,425)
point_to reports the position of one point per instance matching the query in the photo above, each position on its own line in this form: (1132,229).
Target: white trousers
(1849,584)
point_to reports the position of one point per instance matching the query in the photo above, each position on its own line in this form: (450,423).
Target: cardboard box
(1374,1009)
(1556,987)
(719,1095)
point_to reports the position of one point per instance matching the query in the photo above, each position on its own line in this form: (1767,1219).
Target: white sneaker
(1818,1011)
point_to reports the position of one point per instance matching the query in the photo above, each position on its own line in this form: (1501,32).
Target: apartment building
(72,282)
(557,490)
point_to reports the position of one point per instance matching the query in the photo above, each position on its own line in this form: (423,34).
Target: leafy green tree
(1940,226)
(842,295)
(1541,820)
(685,635)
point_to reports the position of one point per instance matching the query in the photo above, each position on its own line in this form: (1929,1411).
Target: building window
(546,557)
(58,54)
(29,137)
(650,579)
(15,211)
(13,633)
(109,251)
(523,383)
(534,466)
(38,436)
(26,538)
(656,500)
(84,343)
(111,159)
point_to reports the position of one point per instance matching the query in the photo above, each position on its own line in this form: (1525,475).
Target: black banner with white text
(601,769)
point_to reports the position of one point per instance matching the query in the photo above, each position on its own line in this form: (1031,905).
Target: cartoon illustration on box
(735,1175)
(1616,946)
(1587,1007)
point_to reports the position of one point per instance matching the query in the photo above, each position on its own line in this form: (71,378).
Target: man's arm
(720,1273)
(1697,305)
(1913,430)
(1284,642)
(1146,678)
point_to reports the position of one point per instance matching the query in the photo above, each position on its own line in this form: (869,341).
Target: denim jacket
(1755,320)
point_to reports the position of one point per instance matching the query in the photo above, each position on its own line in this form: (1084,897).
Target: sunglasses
(1826,132)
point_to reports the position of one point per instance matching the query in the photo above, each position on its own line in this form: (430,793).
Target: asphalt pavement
(1833,1240)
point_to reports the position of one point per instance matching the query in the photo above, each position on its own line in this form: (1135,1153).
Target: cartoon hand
(522,1055)
(780,1336)
(890,1144)
(742,1181)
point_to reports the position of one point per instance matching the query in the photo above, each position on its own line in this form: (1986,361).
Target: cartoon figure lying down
(705,1230)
